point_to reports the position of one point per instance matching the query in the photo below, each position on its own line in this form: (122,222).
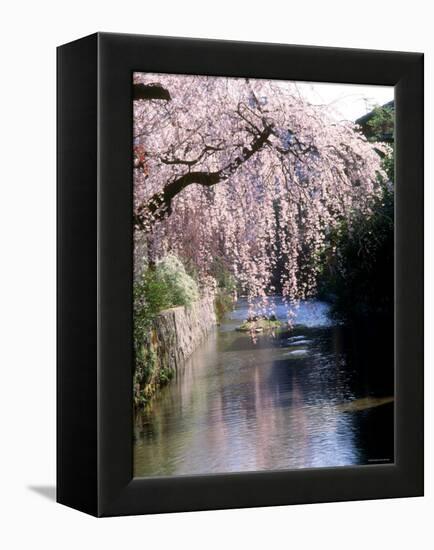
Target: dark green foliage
(389,165)
(359,263)
(151,295)
(226,288)
(223,302)
(380,126)
(146,362)
(165,375)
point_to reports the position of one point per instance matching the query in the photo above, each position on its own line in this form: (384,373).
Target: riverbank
(174,335)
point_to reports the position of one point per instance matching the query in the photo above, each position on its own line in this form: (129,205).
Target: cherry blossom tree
(247,172)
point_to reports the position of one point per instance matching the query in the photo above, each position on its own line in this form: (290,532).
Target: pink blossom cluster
(248,173)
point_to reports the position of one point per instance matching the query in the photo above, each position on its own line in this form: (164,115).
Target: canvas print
(263,275)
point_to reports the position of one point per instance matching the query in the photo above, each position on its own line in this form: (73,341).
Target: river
(319,395)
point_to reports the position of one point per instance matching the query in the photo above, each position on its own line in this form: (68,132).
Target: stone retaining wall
(175,334)
(178,331)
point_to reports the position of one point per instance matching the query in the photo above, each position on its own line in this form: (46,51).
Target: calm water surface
(318,395)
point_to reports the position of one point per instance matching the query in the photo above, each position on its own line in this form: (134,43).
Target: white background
(29,33)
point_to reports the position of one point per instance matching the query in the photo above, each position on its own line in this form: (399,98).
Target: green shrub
(181,288)
(160,287)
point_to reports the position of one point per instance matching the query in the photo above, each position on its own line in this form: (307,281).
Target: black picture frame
(95,358)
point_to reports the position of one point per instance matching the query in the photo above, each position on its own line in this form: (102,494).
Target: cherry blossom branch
(160,203)
(207,149)
(289,175)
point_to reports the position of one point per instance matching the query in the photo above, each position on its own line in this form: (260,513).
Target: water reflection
(239,406)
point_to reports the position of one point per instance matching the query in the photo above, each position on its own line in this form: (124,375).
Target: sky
(349,101)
